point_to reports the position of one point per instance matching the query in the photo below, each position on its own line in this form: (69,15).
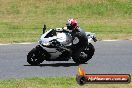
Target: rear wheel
(85,55)
(34,57)
(89,51)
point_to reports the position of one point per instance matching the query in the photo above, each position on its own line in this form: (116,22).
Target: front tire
(34,57)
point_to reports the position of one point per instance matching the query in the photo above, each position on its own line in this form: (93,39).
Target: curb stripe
(25,43)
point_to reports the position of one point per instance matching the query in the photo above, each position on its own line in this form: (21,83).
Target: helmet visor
(68,24)
(69,27)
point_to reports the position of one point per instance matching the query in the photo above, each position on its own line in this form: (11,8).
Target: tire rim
(33,58)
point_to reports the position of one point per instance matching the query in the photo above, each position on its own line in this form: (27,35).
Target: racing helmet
(71,24)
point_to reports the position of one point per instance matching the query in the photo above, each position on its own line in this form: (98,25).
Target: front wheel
(85,55)
(34,57)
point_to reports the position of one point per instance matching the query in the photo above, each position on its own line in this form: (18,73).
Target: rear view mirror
(44,28)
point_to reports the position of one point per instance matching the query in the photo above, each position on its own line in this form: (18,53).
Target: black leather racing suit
(79,42)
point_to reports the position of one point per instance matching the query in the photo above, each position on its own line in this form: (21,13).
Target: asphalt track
(110,57)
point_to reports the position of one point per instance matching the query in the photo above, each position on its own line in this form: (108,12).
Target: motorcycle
(49,43)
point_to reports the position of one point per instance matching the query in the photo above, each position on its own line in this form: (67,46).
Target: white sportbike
(49,43)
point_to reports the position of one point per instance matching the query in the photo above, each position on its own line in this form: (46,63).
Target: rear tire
(90,51)
(34,57)
(85,55)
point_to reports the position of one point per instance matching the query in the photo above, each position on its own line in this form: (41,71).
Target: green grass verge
(60,82)
(22,20)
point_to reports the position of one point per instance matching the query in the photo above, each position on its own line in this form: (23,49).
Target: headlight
(46,44)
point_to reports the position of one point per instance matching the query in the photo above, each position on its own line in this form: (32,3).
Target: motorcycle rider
(79,38)
(78,42)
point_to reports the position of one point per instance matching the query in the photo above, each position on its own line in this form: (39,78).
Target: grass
(60,82)
(22,20)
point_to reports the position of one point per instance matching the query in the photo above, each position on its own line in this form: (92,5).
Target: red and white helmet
(71,24)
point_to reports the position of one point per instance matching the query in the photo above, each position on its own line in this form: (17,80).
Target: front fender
(42,50)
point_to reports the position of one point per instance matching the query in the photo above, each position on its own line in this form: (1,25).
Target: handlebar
(54,42)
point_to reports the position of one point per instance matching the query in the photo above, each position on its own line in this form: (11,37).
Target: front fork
(43,52)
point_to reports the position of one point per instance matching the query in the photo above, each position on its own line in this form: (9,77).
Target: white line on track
(25,43)
(4,44)
(111,40)
(116,40)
